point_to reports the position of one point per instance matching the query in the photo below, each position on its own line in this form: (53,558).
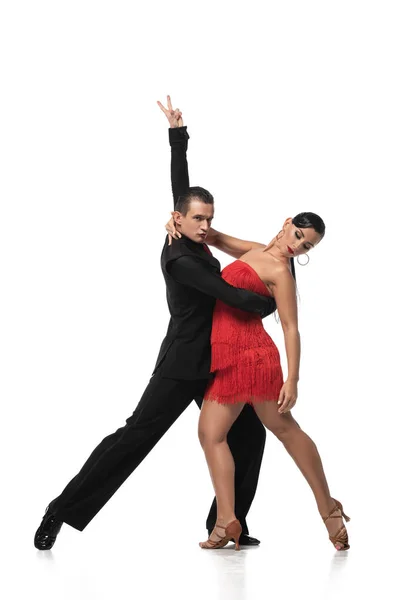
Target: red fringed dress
(244,358)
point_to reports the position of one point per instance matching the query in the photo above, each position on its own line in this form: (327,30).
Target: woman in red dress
(247,369)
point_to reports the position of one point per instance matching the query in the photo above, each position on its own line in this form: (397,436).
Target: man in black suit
(193,282)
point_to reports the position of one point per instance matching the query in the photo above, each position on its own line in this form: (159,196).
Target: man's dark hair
(193,193)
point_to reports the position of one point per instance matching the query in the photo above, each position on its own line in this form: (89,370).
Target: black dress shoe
(48,530)
(247,540)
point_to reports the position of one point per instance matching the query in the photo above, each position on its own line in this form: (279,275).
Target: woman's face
(297,240)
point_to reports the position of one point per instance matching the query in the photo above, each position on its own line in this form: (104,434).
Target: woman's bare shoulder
(269,267)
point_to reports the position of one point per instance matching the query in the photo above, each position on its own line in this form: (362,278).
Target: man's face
(196,224)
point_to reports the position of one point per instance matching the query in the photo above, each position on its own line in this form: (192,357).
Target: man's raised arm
(178,139)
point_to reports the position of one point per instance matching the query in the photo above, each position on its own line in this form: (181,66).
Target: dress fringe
(244,358)
(246,383)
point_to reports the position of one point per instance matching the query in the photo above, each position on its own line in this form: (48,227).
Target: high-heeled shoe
(340,537)
(232,531)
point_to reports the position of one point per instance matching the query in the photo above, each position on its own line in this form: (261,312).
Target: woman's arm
(229,244)
(226,243)
(285,297)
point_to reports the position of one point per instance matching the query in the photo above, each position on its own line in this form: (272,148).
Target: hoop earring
(277,237)
(303,264)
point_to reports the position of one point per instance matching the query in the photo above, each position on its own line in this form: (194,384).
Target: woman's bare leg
(304,453)
(214,424)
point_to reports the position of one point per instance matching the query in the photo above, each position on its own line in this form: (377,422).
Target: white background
(291,106)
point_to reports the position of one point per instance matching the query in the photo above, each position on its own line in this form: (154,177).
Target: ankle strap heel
(340,536)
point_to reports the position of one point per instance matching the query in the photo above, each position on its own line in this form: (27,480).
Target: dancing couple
(216,352)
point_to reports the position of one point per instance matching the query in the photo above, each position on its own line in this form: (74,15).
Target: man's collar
(188,240)
(195,246)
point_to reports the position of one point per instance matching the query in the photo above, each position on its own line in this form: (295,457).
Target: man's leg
(246,440)
(118,455)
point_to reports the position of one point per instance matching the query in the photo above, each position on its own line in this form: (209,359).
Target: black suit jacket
(193,282)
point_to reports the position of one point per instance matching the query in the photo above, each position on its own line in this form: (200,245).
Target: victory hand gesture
(174,116)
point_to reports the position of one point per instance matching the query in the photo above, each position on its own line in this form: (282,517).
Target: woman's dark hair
(198,193)
(306,220)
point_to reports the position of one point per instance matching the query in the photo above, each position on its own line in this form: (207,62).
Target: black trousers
(118,454)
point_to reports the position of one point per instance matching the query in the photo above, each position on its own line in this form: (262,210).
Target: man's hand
(174,116)
(172,231)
